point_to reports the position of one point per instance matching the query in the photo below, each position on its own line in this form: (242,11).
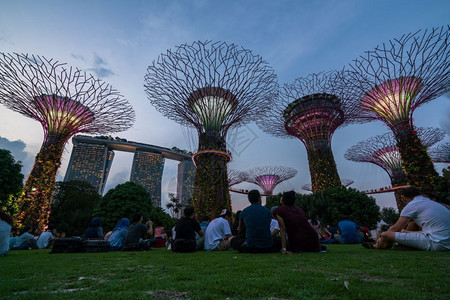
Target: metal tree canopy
(440,153)
(311,109)
(211,87)
(269,177)
(65,101)
(382,150)
(396,78)
(235,177)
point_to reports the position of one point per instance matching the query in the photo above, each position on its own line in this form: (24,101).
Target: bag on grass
(67,245)
(96,245)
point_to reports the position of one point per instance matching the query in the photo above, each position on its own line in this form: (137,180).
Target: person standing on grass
(431,216)
(185,230)
(293,222)
(218,232)
(5,232)
(256,219)
(136,233)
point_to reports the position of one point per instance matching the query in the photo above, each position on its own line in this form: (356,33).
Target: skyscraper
(90,163)
(147,171)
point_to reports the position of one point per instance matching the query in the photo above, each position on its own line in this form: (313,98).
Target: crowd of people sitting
(423,224)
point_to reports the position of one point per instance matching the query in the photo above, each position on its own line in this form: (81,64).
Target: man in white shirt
(218,232)
(45,238)
(431,216)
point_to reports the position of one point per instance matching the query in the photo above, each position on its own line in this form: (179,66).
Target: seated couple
(255,221)
(432,218)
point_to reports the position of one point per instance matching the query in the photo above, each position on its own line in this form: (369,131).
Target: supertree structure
(382,150)
(440,153)
(269,177)
(311,109)
(211,87)
(235,177)
(344,182)
(396,78)
(65,101)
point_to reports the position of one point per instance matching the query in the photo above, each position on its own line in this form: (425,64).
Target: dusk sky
(118,40)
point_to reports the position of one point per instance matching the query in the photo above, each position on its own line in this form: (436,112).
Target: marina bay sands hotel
(92,157)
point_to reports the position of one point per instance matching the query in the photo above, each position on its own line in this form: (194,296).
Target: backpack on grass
(67,245)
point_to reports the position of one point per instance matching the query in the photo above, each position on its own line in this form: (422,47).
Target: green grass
(162,274)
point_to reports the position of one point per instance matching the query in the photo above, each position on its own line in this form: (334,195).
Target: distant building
(186,177)
(91,161)
(147,171)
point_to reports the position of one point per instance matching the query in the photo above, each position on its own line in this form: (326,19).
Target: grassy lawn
(162,274)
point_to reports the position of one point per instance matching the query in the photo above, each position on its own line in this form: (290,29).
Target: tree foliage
(72,206)
(389,215)
(443,187)
(334,203)
(11,181)
(124,201)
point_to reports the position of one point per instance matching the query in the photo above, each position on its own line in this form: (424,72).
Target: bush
(11,180)
(72,206)
(333,204)
(124,201)
(389,215)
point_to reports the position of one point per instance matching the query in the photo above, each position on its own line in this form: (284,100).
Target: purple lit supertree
(65,101)
(269,177)
(440,153)
(394,80)
(311,109)
(211,87)
(235,177)
(344,182)
(382,150)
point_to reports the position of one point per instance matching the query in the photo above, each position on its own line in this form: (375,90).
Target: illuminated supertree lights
(211,87)
(397,78)
(65,101)
(311,109)
(382,150)
(269,177)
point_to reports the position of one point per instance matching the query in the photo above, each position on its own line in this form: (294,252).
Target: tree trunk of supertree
(418,166)
(34,205)
(211,191)
(322,167)
(398,179)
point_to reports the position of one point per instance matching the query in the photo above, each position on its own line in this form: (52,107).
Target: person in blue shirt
(256,219)
(348,232)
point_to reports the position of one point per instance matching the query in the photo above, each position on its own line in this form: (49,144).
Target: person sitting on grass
(431,216)
(46,238)
(160,236)
(5,232)
(348,232)
(218,232)
(26,240)
(95,230)
(118,234)
(185,230)
(256,219)
(293,222)
(136,233)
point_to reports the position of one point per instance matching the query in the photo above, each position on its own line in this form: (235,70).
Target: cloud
(17,148)
(100,67)
(78,57)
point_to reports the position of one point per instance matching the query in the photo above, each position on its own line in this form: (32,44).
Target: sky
(117,40)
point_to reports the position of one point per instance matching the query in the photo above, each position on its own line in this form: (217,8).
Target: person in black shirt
(136,232)
(185,232)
